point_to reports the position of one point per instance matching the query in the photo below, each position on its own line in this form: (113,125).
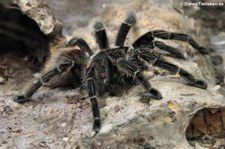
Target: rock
(40,12)
(61,118)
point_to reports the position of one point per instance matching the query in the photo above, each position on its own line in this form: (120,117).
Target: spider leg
(181,37)
(92,94)
(162,46)
(149,36)
(44,79)
(81,43)
(184,74)
(100,35)
(124,29)
(173,51)
(128,68)
(109,73)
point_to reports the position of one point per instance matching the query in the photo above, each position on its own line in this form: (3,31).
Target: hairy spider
(114,66)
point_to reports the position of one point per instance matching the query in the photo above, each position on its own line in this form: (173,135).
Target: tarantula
(112,66)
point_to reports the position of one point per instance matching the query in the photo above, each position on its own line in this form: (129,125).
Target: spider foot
(98,26)
(131,19)
(154,93)
(145,97)
(199,83)
(203,50)
(21,99)
(191,80)
(97,125)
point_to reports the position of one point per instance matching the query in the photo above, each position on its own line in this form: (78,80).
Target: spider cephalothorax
(115,66)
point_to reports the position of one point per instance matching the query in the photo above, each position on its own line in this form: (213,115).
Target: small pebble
(65,139)
(63,125)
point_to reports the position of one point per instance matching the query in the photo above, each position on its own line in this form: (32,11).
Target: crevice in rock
(23,47)
(207,128)
(21,35)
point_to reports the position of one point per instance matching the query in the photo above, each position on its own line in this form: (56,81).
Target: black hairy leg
(131,70)
(124,29)
(44,79)
(108,73)
(180,37)
(148,37)
(80,43)
(70,62)
(173,51)
(101,36)
(191,80)
(92,95)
